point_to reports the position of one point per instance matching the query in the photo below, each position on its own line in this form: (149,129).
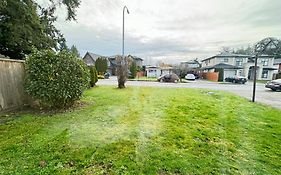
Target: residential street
(263,95)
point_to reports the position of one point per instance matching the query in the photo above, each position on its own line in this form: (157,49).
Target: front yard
(144,130)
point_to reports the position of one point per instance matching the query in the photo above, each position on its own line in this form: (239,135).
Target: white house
(192,64)
(242,65)
(154,71)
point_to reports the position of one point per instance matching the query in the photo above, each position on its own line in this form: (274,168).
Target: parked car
(236,79)
(274,85)
(106,75)
(169,78)
(190,77)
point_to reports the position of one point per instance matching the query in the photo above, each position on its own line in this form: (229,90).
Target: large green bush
(56,80)
(93,75)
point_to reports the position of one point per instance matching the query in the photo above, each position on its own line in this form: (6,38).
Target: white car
(190,77)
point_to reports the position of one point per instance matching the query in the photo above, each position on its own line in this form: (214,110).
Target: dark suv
(236,79)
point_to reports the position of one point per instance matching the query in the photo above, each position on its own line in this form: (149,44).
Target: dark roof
(222,66)
(93,56)
(227,54)
(136,58)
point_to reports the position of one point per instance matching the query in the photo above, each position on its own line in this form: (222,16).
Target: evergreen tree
(94,76)
(75,51)
(101,65)
(25,25)
(133,70)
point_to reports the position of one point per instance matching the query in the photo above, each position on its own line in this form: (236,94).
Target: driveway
(263,95)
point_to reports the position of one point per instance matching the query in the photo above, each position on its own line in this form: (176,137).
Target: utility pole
(255,78)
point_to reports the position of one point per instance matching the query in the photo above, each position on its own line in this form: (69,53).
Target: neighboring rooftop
(136,58)
(222,66)
(190,62)
(93,56)
(227,54)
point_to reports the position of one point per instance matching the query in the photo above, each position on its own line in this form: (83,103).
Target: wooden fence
(212,76)
(12,94)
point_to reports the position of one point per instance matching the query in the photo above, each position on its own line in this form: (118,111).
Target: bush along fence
(50,79)
(12,93)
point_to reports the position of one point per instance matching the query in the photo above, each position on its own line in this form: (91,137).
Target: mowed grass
(145,131)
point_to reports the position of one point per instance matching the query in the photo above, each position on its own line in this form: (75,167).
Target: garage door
(229,73)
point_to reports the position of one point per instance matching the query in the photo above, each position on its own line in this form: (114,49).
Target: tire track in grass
(149,123)
(236,150)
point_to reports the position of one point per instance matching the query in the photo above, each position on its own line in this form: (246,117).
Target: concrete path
(263,95)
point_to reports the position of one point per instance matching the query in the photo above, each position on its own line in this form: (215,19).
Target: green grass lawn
(145,131)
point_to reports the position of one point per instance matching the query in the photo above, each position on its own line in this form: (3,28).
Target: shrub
(93,76)
(56,80)
(133,70)
(101,65)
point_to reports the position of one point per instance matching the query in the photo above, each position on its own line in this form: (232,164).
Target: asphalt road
(263,95)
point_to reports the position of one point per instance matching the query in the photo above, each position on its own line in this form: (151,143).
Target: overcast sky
(171,30)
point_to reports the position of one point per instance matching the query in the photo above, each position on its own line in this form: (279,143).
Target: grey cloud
(179,37)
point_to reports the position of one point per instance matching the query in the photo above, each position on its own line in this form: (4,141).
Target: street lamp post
(123,36)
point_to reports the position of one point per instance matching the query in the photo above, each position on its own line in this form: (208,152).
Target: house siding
(88,60)
(247,67)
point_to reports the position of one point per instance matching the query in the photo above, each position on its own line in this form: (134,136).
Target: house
(265,67)
(277,63)
(137,60)
(242,65)
(192,64)
(90,59)
(155,71)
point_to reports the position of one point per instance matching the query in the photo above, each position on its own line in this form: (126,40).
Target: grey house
(90,59)
(137,60)
(277,63)
(241,65)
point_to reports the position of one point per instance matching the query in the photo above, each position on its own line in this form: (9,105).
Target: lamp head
(125,7)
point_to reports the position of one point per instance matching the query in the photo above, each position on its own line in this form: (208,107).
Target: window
(264,61)
(264,74)
(239,61)
(224,60)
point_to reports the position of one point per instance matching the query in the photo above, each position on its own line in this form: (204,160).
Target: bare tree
(122,71)
(226,49)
